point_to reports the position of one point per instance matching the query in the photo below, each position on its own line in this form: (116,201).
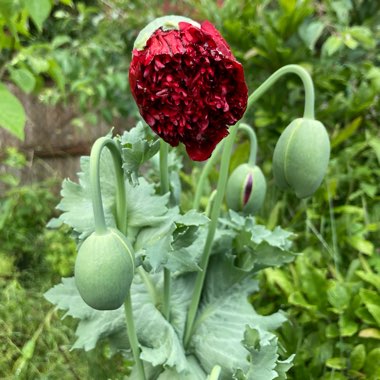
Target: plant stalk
(199,281)
(253,142)
(164,174)
(289,69)
(121,217)
(202,179)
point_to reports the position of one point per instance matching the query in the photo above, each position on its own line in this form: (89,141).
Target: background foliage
(79,51)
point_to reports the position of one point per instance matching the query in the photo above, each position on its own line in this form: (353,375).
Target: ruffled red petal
(189,87)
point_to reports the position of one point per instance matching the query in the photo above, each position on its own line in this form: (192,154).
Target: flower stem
(199,281)
(121,217)
(202,179)
(121,222)
(164,174)
(306,80)
(253,140)
(133,336)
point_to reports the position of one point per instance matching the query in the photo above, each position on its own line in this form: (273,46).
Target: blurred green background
(78,52)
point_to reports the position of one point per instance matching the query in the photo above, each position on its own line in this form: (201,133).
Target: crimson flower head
(187,84)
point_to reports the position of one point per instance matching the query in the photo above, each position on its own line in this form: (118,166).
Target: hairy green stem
(133,336)
(164,174)
(289,69)
(121,207)
(121,222)
(253,141)
(202,179)
(199,281)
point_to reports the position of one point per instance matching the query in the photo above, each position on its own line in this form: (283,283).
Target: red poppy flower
(187,84)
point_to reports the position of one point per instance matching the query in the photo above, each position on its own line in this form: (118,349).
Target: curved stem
(289,69)
(201,275)
(164,174)
(121,222)
(121,208)
(205,171)
(253,140)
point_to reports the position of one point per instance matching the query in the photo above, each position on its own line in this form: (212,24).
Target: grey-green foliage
(165,237)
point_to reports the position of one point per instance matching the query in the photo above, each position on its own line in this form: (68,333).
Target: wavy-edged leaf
(144,207)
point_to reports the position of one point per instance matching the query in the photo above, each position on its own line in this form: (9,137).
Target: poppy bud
(104,269)
(187,84)
(246,189)
(301,157)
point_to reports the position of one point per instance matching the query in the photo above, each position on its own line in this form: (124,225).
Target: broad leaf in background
(23,78)
(12,113)
(38,10)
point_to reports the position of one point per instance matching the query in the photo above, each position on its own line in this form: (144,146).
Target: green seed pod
(246,189)
(301,157)
(104,269)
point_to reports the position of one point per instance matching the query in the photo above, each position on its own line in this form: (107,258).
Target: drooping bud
(104,269)
(246,189)
(301,157)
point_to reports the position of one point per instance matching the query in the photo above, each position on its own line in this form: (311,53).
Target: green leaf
(371,278)
(357,357)
(264,360)
(7,8)
(361,244)
(255,245)
(374,143)
(347,326)
(56,73)
(332,45)
(175,243)
(346,132)
(372,367)
(93,324)
(338,296)
(137,149)
(342,9)
(194,372)
(160,341)
(336,363)
(371,300)
(222,317)
(24,79)
(370,333)
(39,11)
(144,208)
(12,113)
(310,33)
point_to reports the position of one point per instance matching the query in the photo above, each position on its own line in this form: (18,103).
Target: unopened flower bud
(301,157)
(246,189)
(104,269)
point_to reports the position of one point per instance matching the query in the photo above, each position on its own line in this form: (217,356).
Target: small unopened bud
(301,157)
(246,189)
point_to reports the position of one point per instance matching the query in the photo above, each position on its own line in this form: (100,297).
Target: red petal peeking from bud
(188,86)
